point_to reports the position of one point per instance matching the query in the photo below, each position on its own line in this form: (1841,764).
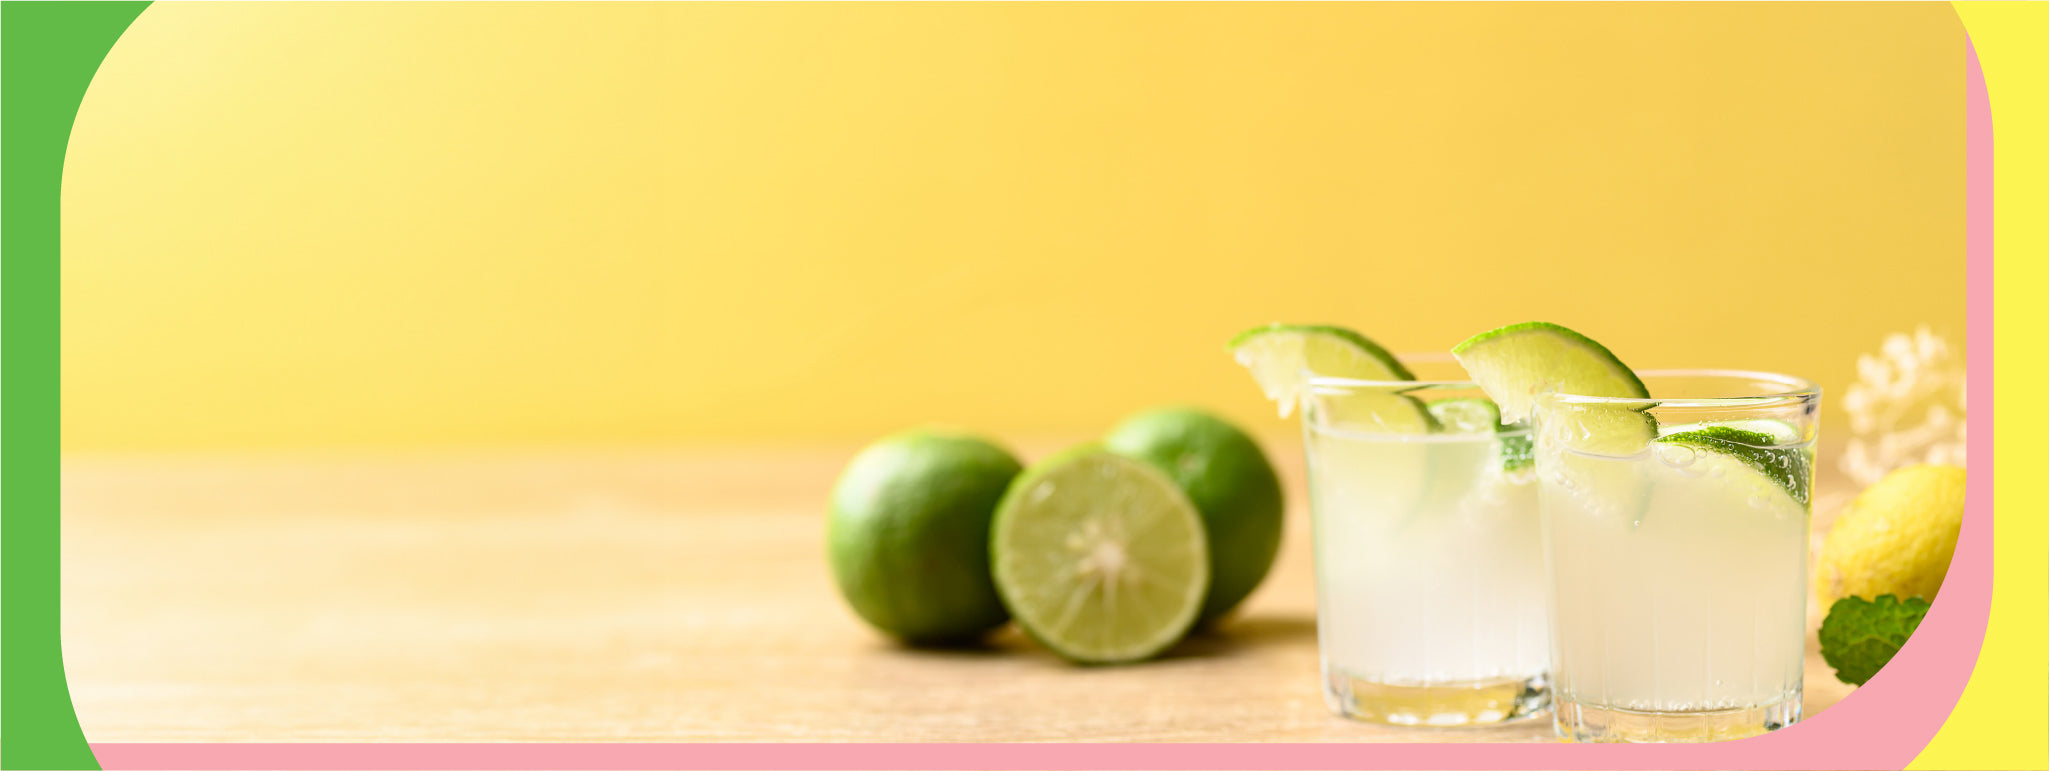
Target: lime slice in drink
(1756,453)
(1283,356)
(1474,416)
(1780,432)
(1099,557)
(1517,363)
(1518,452)
(1466,416)
(1600,429)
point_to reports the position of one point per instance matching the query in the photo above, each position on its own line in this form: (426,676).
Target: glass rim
(1792,388)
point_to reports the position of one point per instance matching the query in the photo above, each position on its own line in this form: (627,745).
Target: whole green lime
(908,535)
(1230,482)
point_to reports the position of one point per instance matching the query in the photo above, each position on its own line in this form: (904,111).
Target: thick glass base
(1438,704)
(1583,722)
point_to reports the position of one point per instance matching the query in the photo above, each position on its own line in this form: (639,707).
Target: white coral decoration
(1907,407)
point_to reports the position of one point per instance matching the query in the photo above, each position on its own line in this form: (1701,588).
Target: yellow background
(373,225)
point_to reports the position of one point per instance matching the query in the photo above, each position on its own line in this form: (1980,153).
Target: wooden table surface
(632,595)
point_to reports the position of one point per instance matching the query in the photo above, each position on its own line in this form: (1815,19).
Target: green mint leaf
(1860,635)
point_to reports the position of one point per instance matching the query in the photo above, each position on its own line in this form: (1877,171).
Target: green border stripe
(48,54)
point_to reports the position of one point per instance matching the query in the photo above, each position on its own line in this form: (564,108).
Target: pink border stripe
(1883,725)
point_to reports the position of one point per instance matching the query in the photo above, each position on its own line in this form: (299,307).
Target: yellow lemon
(1896,538)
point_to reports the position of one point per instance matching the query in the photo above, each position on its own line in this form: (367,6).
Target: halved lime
(1283,356)
(1229,480)
(1099,557)
(1788,468)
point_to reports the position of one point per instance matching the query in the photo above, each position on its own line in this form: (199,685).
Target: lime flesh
(1100,557)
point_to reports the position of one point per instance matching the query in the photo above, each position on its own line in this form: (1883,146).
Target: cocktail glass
(1429,599)
(1676,563)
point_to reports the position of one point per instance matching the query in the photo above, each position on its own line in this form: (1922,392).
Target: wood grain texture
(600,596)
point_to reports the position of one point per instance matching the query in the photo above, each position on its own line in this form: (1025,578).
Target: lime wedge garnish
(1788,468)
(1518,362)
(1283,356)
(1099,557)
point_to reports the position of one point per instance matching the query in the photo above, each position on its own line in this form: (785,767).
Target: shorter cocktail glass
(1429,598)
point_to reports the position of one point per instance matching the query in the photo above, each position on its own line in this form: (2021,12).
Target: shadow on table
(1004,641)
(1231,637)
(1235,635)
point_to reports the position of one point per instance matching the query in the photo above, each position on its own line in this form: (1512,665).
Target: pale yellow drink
(1430,607)
(1677,590)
